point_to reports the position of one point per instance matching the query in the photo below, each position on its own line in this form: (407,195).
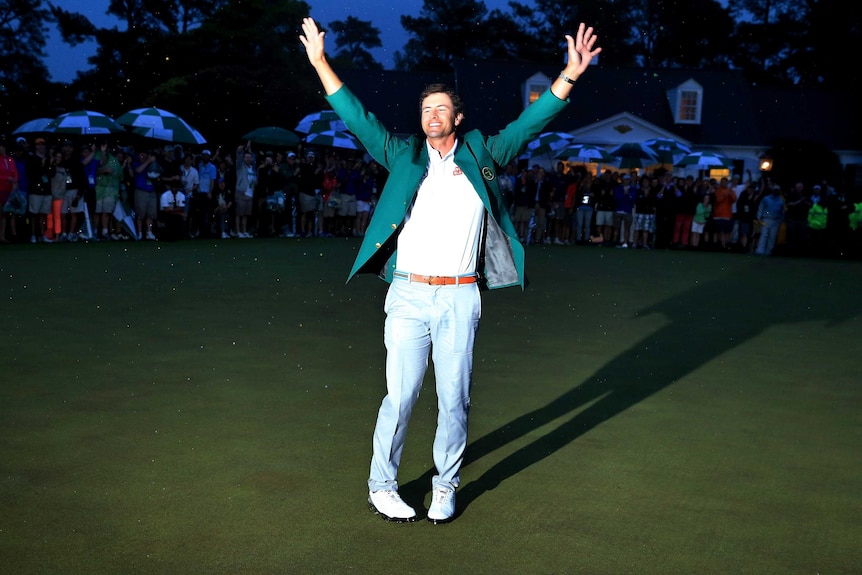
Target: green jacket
(856,216)
(817,215)
(480,157)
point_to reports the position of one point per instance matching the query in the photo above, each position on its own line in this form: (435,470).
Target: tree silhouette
(177,54)
(24,87)
(443,31)
(354,37)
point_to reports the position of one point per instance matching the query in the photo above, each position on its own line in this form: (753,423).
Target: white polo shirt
(169,201)
(442,229)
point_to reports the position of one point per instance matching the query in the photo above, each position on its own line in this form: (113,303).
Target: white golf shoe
(389,505)
(442,508)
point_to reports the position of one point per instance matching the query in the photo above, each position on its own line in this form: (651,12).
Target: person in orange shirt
(722,212)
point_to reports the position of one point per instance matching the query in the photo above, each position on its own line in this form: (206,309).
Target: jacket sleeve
(509,142)
(380,144)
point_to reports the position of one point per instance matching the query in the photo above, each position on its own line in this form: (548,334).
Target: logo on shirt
(457,171)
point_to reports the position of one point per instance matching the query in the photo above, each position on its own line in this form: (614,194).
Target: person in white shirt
(172,213)
(191,182)
(440,231)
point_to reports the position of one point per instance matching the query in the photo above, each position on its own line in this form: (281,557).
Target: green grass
(207,407)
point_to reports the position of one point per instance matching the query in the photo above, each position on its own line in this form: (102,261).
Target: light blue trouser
(768,236)
(423,319)
(583,221)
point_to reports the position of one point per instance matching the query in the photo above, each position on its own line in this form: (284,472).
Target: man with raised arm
(440,231)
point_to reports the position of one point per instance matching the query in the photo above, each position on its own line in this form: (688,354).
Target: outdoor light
(765,163)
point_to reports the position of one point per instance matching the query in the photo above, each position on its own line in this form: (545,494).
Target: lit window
(688,106)
(686,102)
(533,87)
(536,90)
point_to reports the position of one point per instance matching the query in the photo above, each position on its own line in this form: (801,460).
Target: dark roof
(734,112)
(602,93)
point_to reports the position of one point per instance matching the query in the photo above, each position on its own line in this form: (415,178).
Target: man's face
(438,116)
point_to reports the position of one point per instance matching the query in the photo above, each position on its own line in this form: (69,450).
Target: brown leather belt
(436,280)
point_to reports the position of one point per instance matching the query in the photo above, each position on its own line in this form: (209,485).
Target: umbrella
(84,122)
(334,139)
(160,124)
(667,150)
(272,136)
(586,153)
(547,144)
(322,121)
(704,160)
(126,216)
(37,126)
(633,155)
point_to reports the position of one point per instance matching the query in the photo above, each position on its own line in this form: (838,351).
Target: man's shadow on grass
(704,322)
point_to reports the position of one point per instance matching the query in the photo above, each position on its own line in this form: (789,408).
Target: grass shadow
(703,323)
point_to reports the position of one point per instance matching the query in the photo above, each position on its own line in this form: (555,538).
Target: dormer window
(686,102)
(534,87)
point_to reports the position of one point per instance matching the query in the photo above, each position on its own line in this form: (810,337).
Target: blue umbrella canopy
(667,150)
(586,153)
(322,121)
(160,124)
(547,144)
(37,126)
(705,160)
(334,139)
(633,155)
(84,122)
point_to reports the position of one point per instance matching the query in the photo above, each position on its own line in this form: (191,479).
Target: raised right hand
(313,40)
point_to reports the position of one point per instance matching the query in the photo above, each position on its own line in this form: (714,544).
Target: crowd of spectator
(63,192)
(659,210)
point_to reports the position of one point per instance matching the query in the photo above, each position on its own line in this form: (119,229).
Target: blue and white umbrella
(37,126)
(334,139)
(546,145)
(633,155)
(85,123)
(586,153)
(667,150)
(322,121)
(160,124)
(704,160)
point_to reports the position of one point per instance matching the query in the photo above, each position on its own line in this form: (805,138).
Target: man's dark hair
(457,103)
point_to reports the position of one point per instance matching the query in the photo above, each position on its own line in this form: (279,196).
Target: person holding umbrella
(440,229)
